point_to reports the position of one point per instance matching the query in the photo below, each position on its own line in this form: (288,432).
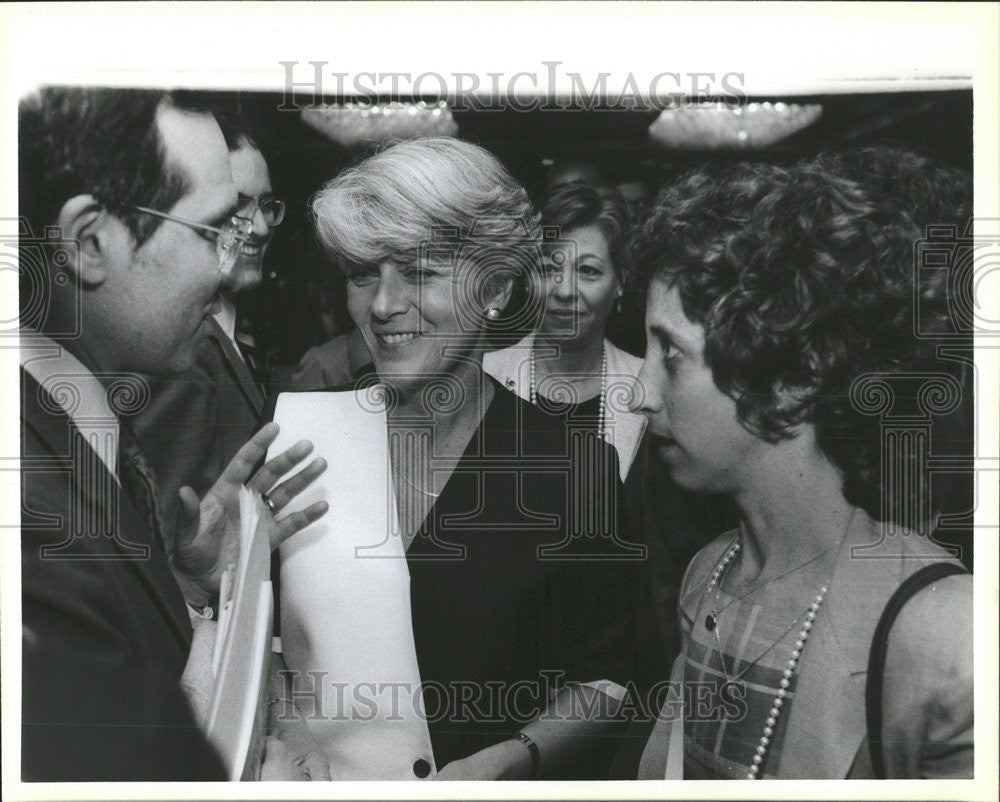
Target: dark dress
(520,582)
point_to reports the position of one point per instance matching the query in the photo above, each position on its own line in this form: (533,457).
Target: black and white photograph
(597,396)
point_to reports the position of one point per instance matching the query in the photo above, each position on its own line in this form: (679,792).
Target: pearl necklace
(602,428)
(711,622)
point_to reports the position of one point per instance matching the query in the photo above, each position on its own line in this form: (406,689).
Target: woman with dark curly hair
(783,316)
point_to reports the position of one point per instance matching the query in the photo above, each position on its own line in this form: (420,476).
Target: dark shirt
(519,583)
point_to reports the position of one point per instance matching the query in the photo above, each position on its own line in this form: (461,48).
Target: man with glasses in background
(197,420)
(129,221)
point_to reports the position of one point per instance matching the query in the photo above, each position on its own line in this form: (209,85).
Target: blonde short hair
(426,190)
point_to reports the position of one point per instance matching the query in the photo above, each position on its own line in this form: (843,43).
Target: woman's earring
(492,313)
(618,304)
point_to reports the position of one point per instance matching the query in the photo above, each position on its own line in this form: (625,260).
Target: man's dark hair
(101,142)
(803,277)
(236,129)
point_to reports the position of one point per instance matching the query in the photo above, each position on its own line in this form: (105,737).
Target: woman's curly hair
(804,278)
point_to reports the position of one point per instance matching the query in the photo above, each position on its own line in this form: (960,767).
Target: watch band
(536,757)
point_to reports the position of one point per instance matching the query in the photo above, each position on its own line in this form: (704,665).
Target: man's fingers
(286,491)
(297,521)
(188,516)
(241,466)
(274,469)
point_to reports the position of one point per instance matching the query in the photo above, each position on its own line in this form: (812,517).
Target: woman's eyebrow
(660,333)
(667,337)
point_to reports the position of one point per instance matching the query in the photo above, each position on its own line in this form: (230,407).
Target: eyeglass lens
(272,210)
(230,241)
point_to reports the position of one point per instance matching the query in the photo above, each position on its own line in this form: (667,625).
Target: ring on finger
(269,503)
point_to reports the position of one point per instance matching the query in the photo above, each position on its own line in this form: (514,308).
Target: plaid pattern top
(722,723)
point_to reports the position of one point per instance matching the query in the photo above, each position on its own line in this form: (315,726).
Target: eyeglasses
(229,239)
(272,209)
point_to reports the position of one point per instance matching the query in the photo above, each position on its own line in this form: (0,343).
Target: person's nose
(390,296)
(563,284)
(647,398)
(260,229)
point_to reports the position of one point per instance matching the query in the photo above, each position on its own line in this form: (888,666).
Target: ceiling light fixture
(718,126)
(352,124)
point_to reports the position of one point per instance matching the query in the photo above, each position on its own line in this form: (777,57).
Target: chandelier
(353,124)
(711,125)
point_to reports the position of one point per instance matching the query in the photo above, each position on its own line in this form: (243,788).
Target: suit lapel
(238,368)
(663,757)
(56,430)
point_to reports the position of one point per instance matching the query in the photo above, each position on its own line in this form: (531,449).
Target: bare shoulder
(934,628)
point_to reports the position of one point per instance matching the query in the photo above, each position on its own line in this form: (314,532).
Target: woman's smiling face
(579,285)
(409,315)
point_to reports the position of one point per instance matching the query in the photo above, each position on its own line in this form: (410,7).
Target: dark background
(301,286)
(302,301)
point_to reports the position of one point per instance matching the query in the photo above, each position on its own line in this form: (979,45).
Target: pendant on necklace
(711,621)
(732,692)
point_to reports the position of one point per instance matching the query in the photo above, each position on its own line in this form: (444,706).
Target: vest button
(421,768)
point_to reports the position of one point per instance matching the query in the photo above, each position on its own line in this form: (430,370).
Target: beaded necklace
(602,428)
(711,623)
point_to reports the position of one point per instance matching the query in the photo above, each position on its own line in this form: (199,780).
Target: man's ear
(97,235)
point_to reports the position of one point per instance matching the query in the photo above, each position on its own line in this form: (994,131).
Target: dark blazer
(105,629)
(520,577)
(195,422)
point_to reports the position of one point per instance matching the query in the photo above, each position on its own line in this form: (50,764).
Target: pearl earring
(492,313)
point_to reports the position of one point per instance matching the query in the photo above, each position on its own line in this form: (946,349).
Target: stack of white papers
(241,660)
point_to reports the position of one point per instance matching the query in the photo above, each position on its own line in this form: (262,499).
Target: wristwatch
(536,757)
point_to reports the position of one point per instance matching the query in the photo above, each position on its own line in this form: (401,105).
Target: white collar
(226,317)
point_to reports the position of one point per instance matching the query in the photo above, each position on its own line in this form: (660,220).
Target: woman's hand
(508,760)
(279,763)
(299,743)
(208,535)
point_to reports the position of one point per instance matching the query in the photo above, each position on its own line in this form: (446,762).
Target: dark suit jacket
(105,629)
(195,422)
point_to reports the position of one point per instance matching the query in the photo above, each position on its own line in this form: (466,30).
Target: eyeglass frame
(237,234)
(248,201)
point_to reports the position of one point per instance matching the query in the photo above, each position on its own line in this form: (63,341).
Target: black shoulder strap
(927,575)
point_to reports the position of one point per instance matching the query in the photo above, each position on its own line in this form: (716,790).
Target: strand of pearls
(786,680)
(786,676)
(602,428)
(712,618)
